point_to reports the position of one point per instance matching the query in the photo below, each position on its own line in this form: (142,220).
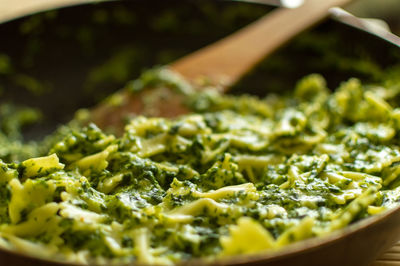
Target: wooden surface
(390,258)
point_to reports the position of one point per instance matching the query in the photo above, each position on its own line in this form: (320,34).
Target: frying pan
(74,57)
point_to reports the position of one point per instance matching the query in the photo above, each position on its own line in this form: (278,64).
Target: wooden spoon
(222,63)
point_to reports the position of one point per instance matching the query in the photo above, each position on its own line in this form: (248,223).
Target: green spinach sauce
(238,175)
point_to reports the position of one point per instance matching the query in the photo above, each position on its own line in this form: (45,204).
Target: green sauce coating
(238,175)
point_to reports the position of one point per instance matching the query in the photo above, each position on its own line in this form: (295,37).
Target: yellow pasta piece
(247,237)
(41,166)
(298,232)
(96,162)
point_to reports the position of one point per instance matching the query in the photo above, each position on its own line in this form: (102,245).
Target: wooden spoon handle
(226,61)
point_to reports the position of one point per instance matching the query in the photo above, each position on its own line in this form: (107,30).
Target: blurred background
(59,61)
